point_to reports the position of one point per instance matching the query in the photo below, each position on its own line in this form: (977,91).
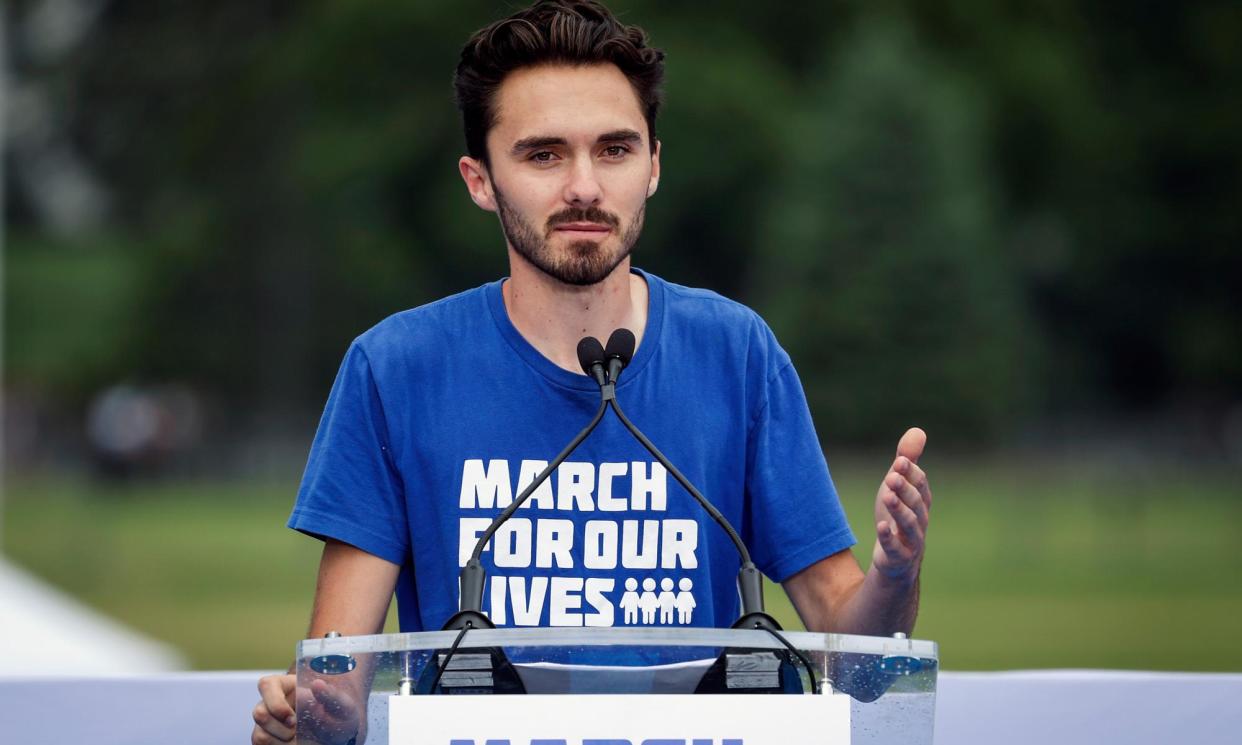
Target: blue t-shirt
(441,415)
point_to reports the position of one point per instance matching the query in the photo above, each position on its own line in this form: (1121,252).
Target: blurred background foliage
(1036,207)
(1014,224)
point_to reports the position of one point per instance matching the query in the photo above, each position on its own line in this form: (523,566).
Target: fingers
(909,496)
(268,730)
(915,475)
(903,507)
(912,443)
(274,716)
(887,535)
(897,556)
(909,524)
(277,692)
(917,478)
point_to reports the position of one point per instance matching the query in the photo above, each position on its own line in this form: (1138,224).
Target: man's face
(571,169)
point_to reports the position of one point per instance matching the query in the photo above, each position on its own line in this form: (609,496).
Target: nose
(583,188)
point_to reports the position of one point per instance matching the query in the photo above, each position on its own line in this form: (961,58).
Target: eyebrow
(534,143)
(620,135)
(527,144)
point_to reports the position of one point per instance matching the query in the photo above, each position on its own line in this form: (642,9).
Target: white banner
(739,719)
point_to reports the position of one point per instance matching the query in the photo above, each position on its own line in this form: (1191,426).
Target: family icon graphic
(666,602)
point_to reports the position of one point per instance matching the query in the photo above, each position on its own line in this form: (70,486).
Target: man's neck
(554,316)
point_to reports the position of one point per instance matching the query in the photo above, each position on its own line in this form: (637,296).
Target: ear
(474,173)
(655,171)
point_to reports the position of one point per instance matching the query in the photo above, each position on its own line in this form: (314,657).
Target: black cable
(815,685)
(477,555)
(449,656)
(711,510)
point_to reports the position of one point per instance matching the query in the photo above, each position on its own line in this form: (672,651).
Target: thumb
(912,444)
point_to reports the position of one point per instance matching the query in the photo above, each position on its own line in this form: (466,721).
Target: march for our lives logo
(598,550)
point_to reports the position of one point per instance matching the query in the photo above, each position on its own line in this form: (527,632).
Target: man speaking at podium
(441,415)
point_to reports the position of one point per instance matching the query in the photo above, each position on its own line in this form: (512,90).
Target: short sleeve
(350,491)
(796,518)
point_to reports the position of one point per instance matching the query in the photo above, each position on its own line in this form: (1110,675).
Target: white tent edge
(47,633)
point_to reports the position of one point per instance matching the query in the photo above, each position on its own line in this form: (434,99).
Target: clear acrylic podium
(890,682)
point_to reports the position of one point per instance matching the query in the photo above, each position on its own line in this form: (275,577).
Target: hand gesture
(901,511)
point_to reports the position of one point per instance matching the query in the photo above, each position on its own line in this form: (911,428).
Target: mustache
(590,214)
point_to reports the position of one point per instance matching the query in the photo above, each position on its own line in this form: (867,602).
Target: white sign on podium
(675,719)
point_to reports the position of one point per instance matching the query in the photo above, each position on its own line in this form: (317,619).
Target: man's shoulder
(703,306)
(708,326)
(431,329)
(710,318)
(447,313)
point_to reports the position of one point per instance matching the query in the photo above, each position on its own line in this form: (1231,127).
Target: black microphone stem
(750,581)
(543,476)
(473,575)
(681,479)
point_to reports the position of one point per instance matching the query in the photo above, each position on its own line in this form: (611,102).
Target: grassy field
(1029,565)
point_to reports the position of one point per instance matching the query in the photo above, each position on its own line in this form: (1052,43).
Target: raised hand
(902,505)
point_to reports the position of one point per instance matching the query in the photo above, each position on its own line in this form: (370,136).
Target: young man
(442,414)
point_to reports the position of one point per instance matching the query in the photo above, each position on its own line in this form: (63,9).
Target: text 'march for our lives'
(609,569)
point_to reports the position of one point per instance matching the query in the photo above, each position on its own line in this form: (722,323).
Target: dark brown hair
(572,32)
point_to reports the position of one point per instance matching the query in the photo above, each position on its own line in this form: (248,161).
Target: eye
(543,156)
(615,151)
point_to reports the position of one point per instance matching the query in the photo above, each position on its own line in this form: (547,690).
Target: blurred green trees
(966,214)
(880,259)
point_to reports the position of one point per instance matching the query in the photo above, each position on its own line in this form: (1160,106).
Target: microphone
(591,356)
(619,352)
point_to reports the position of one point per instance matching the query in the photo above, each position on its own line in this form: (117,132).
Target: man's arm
(353,592)
(352,596)
(833,595)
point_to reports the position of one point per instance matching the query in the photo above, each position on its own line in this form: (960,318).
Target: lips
(583,227)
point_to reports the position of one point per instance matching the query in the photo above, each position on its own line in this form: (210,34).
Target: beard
(583,263)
